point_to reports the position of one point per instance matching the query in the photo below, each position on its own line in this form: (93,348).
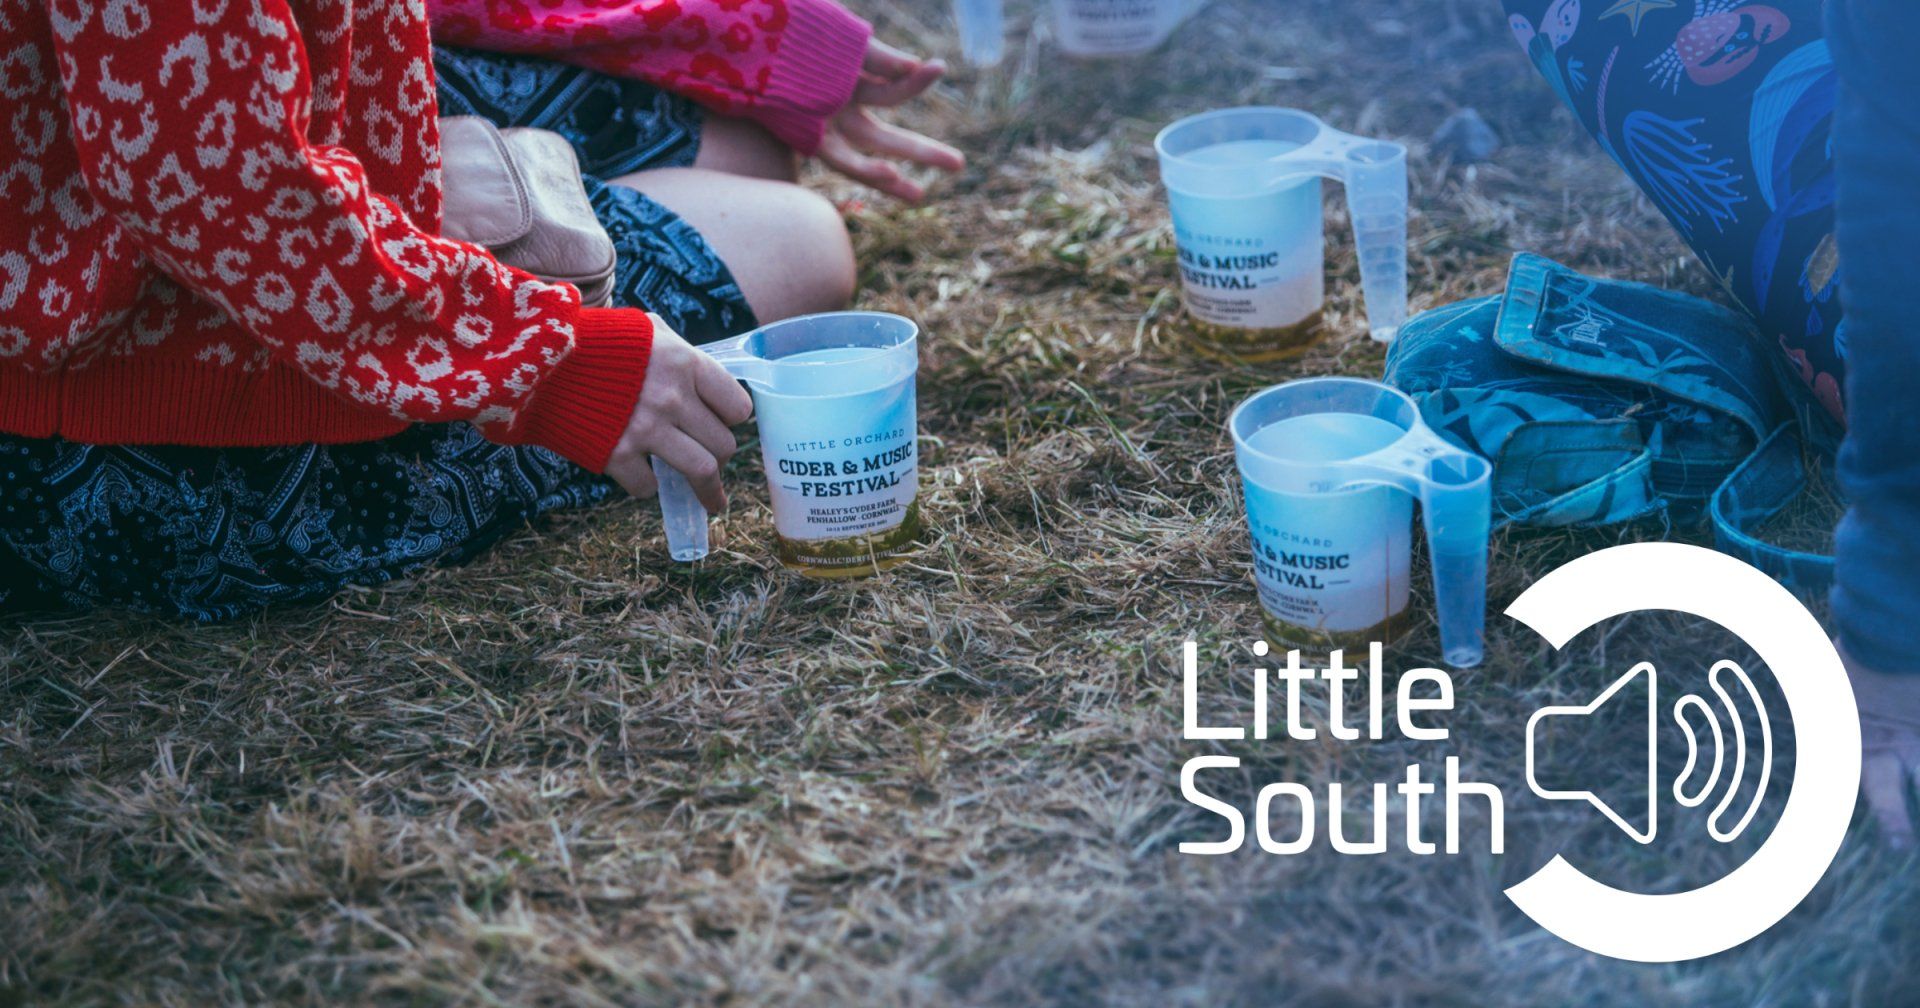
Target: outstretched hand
(858,145)
(1890,730)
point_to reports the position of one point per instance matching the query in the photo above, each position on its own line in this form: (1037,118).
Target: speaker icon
(1708,735)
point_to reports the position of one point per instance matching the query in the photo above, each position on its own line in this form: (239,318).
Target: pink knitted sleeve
(786,64)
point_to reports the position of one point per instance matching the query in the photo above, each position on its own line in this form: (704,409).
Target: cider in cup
(982,25)
(1329,469)
(1243,187)
(834,395)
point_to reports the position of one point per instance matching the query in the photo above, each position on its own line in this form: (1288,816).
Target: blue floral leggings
(1722,112)
(211,533)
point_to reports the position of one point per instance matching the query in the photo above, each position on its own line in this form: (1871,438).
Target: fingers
(873,172)
(712,435)
(1884,781)
(633,473)
(887,92)
(890,76)
(872,136)
(698,446)
(883,60)
(856,144)
(723,395)
(702,470)
(681,419)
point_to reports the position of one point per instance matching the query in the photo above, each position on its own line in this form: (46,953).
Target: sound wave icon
(1698,796)
(1697,779)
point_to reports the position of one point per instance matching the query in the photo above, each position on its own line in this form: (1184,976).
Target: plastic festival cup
(1330,468)
(982,30)
(1117,27)
(1089,28)
(1244,188)
(834,395)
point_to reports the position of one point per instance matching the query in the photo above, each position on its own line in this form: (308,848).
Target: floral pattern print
(1722,112)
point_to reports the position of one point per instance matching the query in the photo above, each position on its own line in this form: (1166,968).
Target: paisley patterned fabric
(213,533)
(1721,111)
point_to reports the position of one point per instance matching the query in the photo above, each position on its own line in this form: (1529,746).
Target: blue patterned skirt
(211,533)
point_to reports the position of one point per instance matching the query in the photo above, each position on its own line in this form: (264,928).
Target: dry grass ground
(574,773)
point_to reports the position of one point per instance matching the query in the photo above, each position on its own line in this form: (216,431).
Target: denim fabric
(1598,401)
(1720,111)
(1876,599)
(211,533)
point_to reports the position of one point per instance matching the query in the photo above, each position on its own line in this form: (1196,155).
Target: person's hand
(1890,731)
(686,405)
(860,146)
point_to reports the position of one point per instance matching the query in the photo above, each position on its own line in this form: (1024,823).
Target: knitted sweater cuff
(580,408)
(814,75)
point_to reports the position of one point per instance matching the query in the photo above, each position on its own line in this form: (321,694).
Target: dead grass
(573,773)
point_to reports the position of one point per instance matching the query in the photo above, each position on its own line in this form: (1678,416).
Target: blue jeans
(1876,597)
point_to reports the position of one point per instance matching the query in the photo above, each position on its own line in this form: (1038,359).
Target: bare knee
(821,235)
(786,246)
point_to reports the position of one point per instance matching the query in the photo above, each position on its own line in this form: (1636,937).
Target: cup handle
(1376,179)
(1374,173)
(681,513)
(1455,489)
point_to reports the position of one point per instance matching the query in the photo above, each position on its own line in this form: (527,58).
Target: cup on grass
(834,397)
(1243,186)
(1088,28)
(982,25)
(1096,28)
(1330,468)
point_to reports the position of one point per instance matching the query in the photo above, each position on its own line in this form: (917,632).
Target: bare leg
(739,147)
(787,247)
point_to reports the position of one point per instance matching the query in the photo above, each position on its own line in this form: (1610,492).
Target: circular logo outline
(1673,927)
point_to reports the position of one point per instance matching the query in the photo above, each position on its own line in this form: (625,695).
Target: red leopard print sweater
(219,226)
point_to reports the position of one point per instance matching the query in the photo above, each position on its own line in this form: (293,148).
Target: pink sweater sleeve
(786,64)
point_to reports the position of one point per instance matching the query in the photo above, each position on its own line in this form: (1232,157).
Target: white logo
(1672,927)
(1643,678)
(1588,329)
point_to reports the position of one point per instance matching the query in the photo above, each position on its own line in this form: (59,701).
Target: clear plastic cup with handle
(1330,469)
(982,25)
(834,395)
(1096,28)
(1243,186)
(1086,28)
